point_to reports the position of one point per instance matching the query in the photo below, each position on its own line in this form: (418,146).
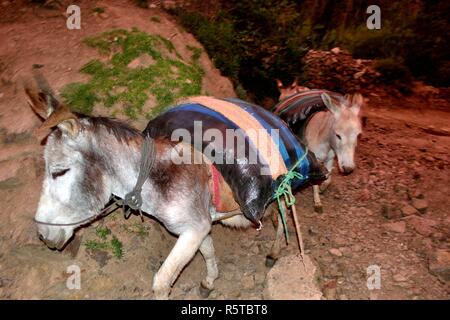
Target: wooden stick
(297,229)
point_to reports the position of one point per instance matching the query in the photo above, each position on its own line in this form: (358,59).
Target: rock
(335,252)
(390,212)
(346,251)
(364,195)
(329,290)
(229,271)
(235,293)
(337,68)
(399,277)
(336,50)
(420,204)
(260,277)
(408,210)
(248,282)
(340,241)
(399,227)
(290,280)
(313,231)
(439,264)
(421,225)
(425,91)
(102,257)
(255,250)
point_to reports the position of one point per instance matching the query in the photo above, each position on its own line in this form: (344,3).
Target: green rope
(284,190)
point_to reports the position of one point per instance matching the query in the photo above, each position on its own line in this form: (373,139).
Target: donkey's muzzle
(56,243)
(347,170)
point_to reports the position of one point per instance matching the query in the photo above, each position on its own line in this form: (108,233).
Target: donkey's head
(287,91)
(75,186)
(346,128)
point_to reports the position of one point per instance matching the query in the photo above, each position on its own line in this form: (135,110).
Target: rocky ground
(391,213)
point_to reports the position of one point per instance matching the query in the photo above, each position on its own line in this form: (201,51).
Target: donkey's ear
(357,101)
(279,84)
(71,127)
(329,103)
(37,102)
(62,118)
(295,83)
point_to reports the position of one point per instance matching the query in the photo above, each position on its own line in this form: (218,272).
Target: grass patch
(167,78)
(117,248)
(103,233)
(96,245)
(137,228)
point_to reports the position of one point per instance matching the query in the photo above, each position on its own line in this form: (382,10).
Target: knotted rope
(284,191)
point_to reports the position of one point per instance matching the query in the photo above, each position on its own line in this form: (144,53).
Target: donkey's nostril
(347,170)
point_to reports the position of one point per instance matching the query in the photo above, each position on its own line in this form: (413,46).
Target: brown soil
(403,156)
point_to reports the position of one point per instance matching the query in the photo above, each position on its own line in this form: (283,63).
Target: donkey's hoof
(270,261)
(318,209)
(204,291)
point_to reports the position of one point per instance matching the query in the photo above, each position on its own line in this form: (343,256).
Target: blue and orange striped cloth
(274,147)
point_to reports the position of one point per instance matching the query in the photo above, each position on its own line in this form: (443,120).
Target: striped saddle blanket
(251,148)
(298,109)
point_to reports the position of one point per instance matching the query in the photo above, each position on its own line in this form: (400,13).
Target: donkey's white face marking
(74,187)
(346,130)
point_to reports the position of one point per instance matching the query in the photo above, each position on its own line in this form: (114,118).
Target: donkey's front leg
(329,163)
(316,196)
(212,273)
(185,248)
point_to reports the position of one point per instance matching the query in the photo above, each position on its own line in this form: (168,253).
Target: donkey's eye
(59,173)
(338,136)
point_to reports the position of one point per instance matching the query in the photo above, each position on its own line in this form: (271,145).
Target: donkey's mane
(122,131)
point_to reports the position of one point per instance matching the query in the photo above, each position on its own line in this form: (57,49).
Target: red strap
(216,186)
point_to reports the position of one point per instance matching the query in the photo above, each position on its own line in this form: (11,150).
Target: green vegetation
(137,228)
(96,245)
(395,73)
(255,41)
(117,248)
(99,9)
(140,65)
(103,233)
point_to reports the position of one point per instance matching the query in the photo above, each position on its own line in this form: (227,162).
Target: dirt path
(367,221)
